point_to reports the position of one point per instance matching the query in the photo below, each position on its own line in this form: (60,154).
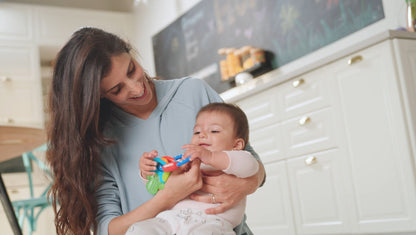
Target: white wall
(150,18)
(154,15)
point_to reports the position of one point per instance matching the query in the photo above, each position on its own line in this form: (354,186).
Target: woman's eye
(116,91)
(131,71)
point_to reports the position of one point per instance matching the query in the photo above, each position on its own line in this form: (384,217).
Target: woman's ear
(238,144)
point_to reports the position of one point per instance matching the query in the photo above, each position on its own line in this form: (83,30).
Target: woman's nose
(134,86)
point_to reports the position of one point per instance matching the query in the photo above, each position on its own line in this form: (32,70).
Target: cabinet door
(16,22)
(19,62)
(20,90)
(269,208)
(318,193)
(377,141)
(56,25)
(21,104)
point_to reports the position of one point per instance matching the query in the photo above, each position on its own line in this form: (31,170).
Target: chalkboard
(287,29)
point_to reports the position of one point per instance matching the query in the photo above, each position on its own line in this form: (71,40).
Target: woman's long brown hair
(75,130)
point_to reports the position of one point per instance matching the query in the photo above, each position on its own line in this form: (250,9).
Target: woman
(106,112)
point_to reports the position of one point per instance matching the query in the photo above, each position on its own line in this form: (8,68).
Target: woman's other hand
(226,189)
(146,164)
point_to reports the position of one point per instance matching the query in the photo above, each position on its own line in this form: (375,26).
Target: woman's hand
(226,189)
(182,183)
(179,185)
(146,164)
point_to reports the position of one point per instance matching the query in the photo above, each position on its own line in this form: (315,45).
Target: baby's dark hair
(237,115)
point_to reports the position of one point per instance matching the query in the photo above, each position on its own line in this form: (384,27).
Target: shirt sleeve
(108,200)
(242,164)
(250,149)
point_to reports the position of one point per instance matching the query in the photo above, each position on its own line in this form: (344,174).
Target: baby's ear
(238,144)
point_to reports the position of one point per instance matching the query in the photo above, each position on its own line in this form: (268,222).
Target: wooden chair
(31,208)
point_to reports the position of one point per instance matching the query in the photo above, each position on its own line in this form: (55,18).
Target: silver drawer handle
(311,160)
(303,121)
(5,79)
(355,59)
(298,82)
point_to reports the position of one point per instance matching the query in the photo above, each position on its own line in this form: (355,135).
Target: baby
(220,135)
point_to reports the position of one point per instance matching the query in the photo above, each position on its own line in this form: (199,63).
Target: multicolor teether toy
(164,166)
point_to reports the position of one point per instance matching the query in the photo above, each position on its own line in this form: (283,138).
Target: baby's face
(214,131)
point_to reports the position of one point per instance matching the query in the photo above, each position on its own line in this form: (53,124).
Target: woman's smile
(141,95)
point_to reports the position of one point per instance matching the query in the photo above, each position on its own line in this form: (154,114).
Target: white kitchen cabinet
(377,139)
(20,88)
(269,209)
(293,120)
(16,22)
(19,61)
(318,193)
(305,93)
(56,25)
(405,54)
(310,132)
(346,132)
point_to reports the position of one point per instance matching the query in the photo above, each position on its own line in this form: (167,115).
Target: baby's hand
(146,164)
(196,151)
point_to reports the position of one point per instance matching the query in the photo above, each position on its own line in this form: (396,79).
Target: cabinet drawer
(18,62)
(310,133)
(268,143)
(262,108)
(21,104)
(306,93)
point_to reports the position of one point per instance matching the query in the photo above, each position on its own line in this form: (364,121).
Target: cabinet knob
(355,59)
(14,191)
(303,121)
(311,160)
(5,79)
(298,82)
(8,120)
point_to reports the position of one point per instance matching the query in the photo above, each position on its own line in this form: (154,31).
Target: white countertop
(276,76)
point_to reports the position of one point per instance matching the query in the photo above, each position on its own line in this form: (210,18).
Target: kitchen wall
(152,16)
(104,5)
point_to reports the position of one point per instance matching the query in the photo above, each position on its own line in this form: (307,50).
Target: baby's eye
(215,131)
(197,132)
